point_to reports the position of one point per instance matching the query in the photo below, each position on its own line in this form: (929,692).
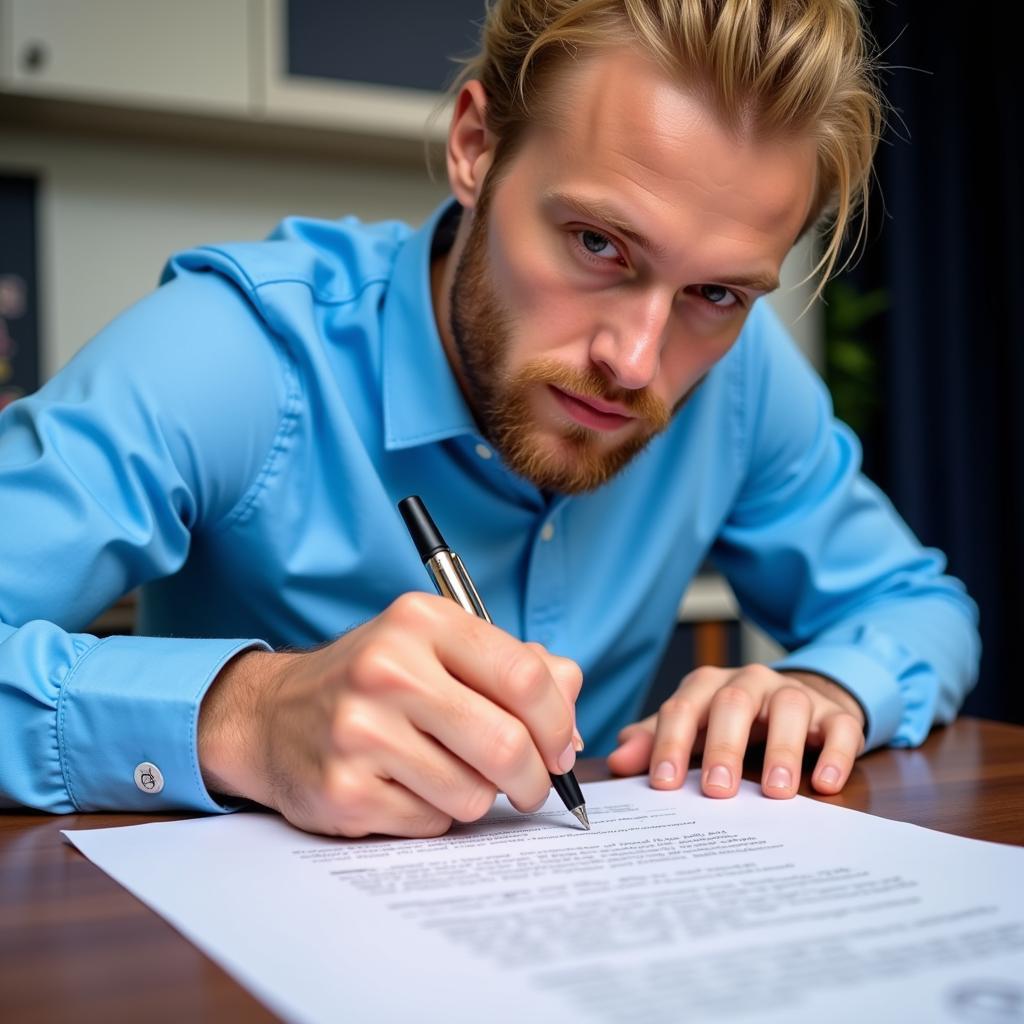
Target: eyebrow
(598,210)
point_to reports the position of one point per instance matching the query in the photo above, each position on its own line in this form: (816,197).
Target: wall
(112,211)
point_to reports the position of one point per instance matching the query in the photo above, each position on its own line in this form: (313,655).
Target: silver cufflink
(148,777)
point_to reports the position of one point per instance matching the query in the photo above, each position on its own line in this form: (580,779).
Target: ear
(471,145)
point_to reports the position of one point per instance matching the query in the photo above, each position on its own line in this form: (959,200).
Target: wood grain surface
(76,946)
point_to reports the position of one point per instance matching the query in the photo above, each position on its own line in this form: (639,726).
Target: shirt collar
(421,397)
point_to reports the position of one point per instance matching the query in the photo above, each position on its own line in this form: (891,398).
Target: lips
(594,413)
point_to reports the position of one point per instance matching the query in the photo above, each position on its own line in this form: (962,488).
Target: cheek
(691,353)
(547,311)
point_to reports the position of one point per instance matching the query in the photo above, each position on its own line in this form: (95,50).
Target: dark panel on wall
(19,302)
(391,42)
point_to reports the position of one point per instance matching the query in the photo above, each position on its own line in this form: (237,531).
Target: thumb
(633,754)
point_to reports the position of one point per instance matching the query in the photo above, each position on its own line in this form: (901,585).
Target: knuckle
(730,696)
(526,678)
(848,723)
(412,610)
(724,752)
(458,712)
(702,674)
(429,824)
(371,667)
(677,706)
(533,799)
(475,802)
(346,792)
(756,672)
(841,757)
(353,727)
(787,753)
(570,674)
(509,747)
(792,697)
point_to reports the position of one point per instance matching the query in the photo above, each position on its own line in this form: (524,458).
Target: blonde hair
(769,66)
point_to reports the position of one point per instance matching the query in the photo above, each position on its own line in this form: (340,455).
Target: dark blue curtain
(947,437)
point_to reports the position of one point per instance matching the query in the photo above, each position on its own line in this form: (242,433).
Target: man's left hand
(721,710)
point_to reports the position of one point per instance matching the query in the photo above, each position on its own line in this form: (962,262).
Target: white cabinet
(184,55)
(229,61)
(360,107)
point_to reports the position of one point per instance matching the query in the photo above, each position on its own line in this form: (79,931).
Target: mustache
(590,384)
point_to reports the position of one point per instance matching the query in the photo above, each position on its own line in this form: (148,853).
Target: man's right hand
(413,720)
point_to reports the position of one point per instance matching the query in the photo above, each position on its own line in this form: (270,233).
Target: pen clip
(467,582)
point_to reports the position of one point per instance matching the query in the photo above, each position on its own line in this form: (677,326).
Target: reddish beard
(574,460)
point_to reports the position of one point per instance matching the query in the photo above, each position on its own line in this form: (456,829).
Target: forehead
(624,132)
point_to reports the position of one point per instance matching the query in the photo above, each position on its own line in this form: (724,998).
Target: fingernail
(665,772)
(829,775)
(567,760)
(779,778)
(577,741)
(719,776)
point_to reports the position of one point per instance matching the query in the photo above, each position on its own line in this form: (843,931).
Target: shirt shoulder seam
(321,299)
(254,286)
(293,397)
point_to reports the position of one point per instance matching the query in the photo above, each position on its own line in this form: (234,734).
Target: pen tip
(581,816)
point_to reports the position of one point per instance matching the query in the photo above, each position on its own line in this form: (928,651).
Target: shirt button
(547,531)
(148,777)
(483,451)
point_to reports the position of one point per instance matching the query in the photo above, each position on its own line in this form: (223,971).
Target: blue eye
(597,244)
(716,294)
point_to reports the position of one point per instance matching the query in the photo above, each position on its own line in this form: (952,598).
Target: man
(570,363)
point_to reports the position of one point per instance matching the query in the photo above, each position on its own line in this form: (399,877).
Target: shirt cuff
(130,704)
(873,686)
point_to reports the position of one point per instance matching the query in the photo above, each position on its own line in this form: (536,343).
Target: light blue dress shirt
(236,444)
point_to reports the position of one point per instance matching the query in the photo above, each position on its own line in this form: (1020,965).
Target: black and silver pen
(453,581)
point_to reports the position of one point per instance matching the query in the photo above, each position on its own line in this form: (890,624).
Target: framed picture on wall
(19,291)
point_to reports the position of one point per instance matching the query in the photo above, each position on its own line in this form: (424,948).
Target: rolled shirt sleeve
(157,428)
(819,558)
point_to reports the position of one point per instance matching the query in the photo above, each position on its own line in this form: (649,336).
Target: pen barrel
(452,581)
(568,789)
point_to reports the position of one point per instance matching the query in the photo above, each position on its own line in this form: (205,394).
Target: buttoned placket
(545,598)
(545,591)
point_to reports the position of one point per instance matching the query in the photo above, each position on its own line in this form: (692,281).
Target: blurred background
(130,129)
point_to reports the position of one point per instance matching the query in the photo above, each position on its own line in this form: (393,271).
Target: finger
(730,716)
(844,739)
(515,677)
(673,741)
(633,754)
(488,661)
(357,803)
(568,678)
(644,725)
(567,674)
(789,716)
(485,737)
(636,741)
(424,767)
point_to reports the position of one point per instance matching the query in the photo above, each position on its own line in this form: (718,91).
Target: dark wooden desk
(75,945)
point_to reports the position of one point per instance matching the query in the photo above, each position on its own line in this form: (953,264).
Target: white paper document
(674,907)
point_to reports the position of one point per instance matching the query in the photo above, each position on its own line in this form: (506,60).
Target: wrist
(230,726)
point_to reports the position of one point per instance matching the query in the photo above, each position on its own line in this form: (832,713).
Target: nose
(627,346)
